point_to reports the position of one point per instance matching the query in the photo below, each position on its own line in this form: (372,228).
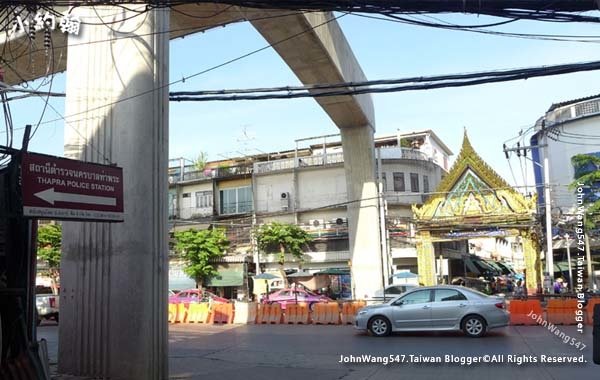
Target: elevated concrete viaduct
(113,280)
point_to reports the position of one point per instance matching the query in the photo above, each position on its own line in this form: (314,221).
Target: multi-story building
(307,186)
(567,129)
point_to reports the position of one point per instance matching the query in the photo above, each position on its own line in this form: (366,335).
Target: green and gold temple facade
(473,198)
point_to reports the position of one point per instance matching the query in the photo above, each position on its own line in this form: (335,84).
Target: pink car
(196,296)
(291,296)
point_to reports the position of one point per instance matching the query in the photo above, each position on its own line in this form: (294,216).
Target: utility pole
(547,203)
(569,260)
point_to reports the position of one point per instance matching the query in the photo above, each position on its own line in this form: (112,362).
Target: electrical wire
(212,68)
(356,88)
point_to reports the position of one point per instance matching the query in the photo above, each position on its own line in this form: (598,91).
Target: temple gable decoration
(473,189)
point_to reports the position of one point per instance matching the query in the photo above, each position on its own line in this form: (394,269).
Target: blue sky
(491,113)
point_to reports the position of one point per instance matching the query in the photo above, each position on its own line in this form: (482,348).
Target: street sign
(64,189)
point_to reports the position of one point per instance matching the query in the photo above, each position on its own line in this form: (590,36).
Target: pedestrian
(519,290)
(557,286)
(509,286)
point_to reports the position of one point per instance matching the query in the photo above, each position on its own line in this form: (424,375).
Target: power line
(201,72)
(355,88)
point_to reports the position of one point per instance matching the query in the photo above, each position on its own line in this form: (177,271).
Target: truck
(46,304)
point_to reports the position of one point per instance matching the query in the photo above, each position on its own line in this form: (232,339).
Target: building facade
(306,186)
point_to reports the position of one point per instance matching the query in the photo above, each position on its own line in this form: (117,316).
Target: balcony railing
(210,173)
(404,197)
(402,154)
(290,163)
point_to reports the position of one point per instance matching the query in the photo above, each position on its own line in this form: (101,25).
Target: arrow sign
(51,196)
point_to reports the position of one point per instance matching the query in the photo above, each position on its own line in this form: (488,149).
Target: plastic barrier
(521,312)
(269,313)
(589,310)
(326,313)
(245,312)
(172,312)
(296,314)
(561,312)
(221,313)
(349,311)
(198,313)
(182,312)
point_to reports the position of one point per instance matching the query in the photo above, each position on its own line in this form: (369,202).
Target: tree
(587,172)
(282,238)
(198,249)
(201,160)
(49,239)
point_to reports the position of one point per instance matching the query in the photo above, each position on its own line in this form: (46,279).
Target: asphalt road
(296,352)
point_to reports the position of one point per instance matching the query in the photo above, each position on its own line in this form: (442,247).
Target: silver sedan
(435,308)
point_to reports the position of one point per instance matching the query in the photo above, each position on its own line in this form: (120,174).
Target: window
(186,195)
(204,199)
(442,295)
(384,181)
(236,200)
(414,182)
(426,184)
(420,296)
(399,182)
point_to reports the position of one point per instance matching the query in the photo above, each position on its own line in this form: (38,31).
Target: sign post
(63,189)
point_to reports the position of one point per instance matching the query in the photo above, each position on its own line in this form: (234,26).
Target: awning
(335,271)
(228,275)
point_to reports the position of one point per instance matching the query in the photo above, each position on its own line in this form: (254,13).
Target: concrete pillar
(426,259)
(531,252)
(114,276)
(363,215)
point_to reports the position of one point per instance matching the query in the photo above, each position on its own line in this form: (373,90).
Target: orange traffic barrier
(522,312)
(561,312)
(182,313)
(589,310)
(326,314)
(198,313)
(269,313)
(296,314)
(172,312)
(221,313)
(349,310)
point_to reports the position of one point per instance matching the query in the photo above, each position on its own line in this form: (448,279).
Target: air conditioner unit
(339,221)
(316,223)
(285,201)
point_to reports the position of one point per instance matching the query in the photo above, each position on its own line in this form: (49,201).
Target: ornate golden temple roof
(472,189)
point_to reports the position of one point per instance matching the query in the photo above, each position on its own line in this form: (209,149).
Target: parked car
(391,292)
(288,295)
(435,308)
(46,303)
(196,296)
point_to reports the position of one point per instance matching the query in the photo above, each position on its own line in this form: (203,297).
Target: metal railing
(402,153)
(306,161)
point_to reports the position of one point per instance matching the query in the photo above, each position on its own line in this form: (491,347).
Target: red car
(285,296)
(196,296)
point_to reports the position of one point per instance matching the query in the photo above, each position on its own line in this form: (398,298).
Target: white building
(568,128)
(307,186)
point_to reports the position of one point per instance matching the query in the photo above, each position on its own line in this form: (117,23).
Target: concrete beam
(315,48)
(24,60)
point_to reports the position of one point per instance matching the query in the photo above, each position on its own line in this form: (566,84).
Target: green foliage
(49,240)
(405,143)
(49,243)
(285,238)
(198,248)
(200,162)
